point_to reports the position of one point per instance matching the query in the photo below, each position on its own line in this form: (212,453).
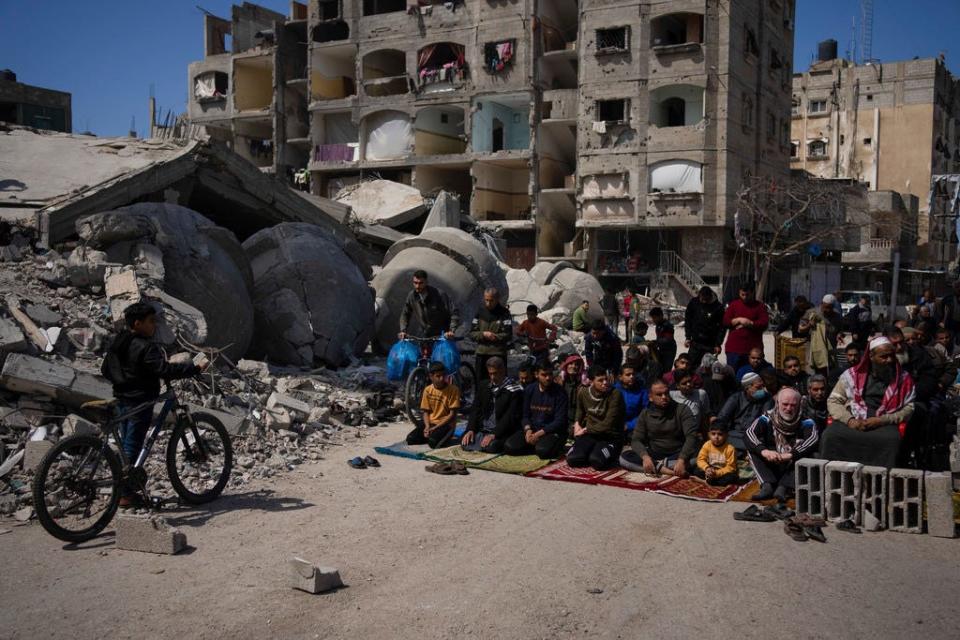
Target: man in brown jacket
(598,429)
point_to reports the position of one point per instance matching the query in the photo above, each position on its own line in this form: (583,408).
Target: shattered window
(613,40)
(611,110)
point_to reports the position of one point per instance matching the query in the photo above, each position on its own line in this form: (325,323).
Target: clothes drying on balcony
(443,62)
(334,153)
(497,55)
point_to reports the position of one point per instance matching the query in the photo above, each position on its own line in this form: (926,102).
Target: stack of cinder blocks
(892,499)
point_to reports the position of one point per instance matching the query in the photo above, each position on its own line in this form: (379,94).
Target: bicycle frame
(170,403)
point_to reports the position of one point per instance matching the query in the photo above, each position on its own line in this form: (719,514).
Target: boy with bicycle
(539,334)
(440,402)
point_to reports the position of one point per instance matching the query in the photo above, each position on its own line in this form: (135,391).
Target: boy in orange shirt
(717,461)
(441,400)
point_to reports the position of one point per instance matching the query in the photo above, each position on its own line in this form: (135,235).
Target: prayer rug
(631,480)
(750,489)
(560,470)
(403,450)
(514,464)
(696,489)
(456,453)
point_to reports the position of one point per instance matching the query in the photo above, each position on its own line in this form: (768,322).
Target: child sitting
(439,404)
(717,460)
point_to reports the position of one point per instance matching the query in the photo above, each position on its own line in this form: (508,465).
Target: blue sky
(109,53)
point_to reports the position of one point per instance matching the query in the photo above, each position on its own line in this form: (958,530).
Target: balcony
(674,209)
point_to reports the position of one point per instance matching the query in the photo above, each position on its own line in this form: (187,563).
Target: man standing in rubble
(492,330)
(431,308)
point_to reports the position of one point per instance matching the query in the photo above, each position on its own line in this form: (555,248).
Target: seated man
(696,400)
(544,419)
(682,365)
(775,441)
(634,394)
(644,363)
(665,439)
(867,406)
(601,348)
(793,375)
(440,402)
(756,363)
(526,374)
(497,411)
(814,404)
(742,408)
(598,427)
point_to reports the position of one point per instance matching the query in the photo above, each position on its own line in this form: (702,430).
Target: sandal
(810,526)
(460,468)
(441,468)
(371,461)
(795,531)
(357,463)
(753,514)
(848,526)
(778,511)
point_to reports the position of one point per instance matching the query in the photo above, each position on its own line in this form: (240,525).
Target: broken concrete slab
(37,335)
(234,424)
(29,375)
(383,202)
(312,303)
(445,212)
(42,315)
(313,579)
(34,452)
(289,403)
(86,267)
(149,534)
(524,291)
(74,425)
(122,290)
(11,338)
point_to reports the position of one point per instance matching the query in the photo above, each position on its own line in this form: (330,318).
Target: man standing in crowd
(666,343)
(824,325)
(703,324)
(747,319)
(430,307)
(859,321)
(948,310)
(492,330)
(602,348)
(539,334)
(611,311)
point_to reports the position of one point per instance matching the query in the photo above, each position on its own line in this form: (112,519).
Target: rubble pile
(557,288)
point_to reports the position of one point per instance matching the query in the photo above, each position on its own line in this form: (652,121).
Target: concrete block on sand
(811,496)
(938,488)
(312,579)
(874,495)
(150,534)
(34,452)
(842,480)
(905,506)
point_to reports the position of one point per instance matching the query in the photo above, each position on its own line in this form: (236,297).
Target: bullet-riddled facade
(597,132)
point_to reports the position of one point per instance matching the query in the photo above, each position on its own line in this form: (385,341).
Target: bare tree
(778,219)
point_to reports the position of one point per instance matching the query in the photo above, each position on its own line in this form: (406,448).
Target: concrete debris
(34,453)
(37,335)
(385,202)
(11,338)
(313,579)
(304,281)
(74,425)
(556,288)
(149,534)
(29,375)
(23,515)
(86,267)
(445,212)
(457,263)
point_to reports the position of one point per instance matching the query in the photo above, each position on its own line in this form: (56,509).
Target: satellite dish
(815,250)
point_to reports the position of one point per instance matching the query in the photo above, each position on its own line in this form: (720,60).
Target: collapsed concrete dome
(567,287)
(202,264)
(457,264)
(311,301)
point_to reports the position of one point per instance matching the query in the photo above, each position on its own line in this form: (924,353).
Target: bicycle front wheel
(76,489)
(199,458)
(413,394)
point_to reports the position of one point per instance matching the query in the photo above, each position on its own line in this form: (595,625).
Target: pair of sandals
(363,463)
(803,527)
(754,513)
(448,468)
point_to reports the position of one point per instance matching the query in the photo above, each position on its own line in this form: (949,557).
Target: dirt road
(480,556)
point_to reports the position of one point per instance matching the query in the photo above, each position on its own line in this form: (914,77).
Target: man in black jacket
(703,324)
(135,364)
(602,348)
(492,330)
(430,307)
(497,412)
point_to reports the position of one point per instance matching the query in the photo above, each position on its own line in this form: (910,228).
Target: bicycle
(418,379)
(80,478)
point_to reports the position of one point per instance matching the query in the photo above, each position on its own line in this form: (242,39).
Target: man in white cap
(741,409)
(870,407)
(824,326)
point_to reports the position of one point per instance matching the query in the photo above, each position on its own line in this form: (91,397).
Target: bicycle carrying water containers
(446,351)
(401,360)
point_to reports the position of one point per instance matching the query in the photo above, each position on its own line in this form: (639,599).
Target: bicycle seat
(95,405)
(98,411)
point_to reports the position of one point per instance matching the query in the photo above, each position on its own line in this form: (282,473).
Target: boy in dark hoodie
(135,364)
(598,429)
(544,419)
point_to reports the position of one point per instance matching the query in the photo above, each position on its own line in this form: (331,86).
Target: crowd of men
(862,393)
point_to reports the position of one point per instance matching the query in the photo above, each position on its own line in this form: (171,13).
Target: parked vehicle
(878,303)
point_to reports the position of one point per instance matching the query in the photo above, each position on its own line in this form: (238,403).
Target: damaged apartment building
(613,135)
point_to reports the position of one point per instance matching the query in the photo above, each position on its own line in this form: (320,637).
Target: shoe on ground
(765,493)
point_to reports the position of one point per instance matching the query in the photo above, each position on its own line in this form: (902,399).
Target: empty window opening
(614,40)
(328,9)
(676,105)
(217,32)
(331,31)
(254,141)
(501,125)
(439,131)
(776,62)
(385,73)
(376,7)
(253,83)
(611,110)
(498,56)
(210,86)
(750,45)
(333,73)
(440,66)
(869,96)
(794,149)
(676,29)
(867,142)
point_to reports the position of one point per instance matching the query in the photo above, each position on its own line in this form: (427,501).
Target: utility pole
(894,290)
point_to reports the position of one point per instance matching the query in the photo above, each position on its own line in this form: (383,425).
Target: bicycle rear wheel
(76,489)
(413,394)
(199,458)
(467,380)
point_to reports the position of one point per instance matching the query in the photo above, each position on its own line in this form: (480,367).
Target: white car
(878,303)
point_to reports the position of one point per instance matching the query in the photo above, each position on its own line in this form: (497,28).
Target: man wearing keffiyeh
(868,406)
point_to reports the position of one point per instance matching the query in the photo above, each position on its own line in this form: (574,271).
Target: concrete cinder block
(291,404)
(234,424)
(874,492)
(33,453)
(312,579)
(810,495)
(842,484)
(938,491)
(905,505)
(150,534)
(11,337)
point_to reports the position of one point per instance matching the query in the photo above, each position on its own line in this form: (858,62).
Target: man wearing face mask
(868,404)
(741,409)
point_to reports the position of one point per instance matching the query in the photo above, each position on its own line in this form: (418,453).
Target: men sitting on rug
(814,404)
(440,402)
(717,460)
(598,427)
(544,419)
(756,363)
(793,375)
(635,397)
(776,440)
(665,439)
(868,404)
(742,408)
(496,412)
(526,374)
(571,379)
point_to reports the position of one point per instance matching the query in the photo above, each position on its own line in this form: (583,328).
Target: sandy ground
(480,556)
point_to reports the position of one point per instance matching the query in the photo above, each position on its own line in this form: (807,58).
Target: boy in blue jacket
(635,395)
(544,419)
